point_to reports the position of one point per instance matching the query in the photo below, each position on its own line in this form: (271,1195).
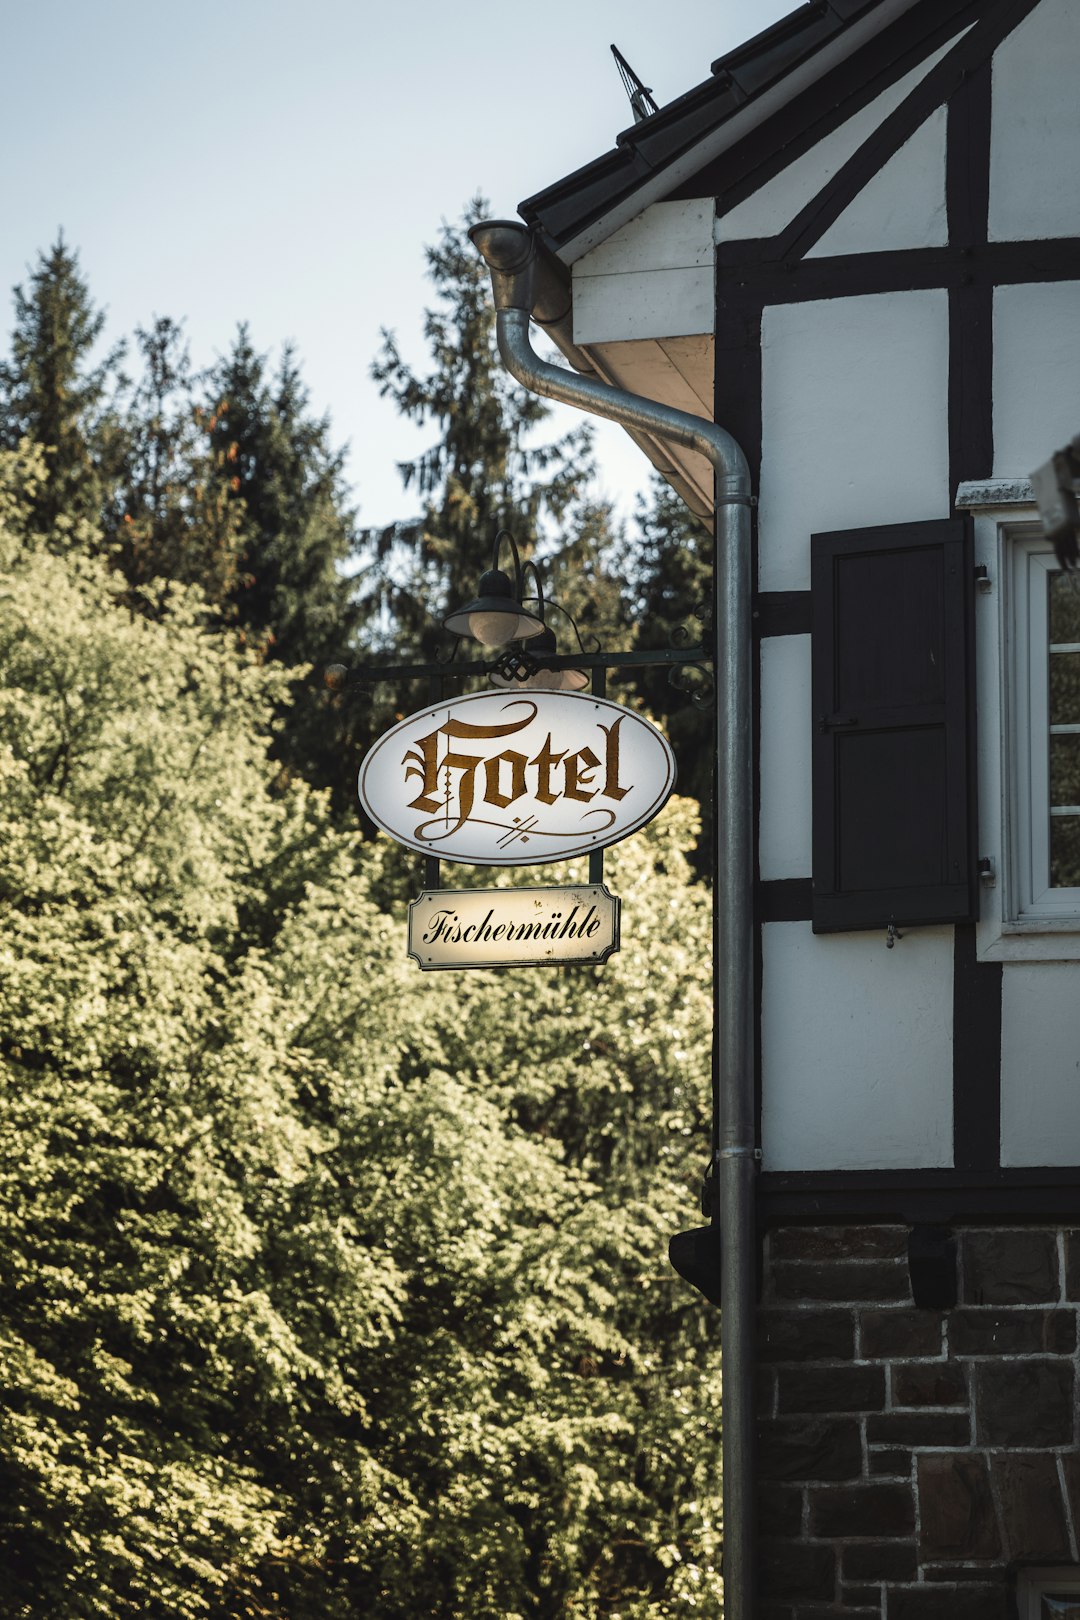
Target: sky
(284,163)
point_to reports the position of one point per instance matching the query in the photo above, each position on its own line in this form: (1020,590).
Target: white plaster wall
(854,422)
(1040,1063)
(652,279)
(1036,372)
(856,1050)
(903,206)
(784,846)
(777,202)
(1035,133)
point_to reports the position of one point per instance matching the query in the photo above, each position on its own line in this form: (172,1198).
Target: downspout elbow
(630,410)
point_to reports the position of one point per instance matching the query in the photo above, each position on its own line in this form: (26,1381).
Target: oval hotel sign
(497,779)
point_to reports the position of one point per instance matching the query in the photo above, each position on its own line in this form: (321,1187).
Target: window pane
(1064,607)
(1063,1607)
(1064,689)
(1065,852)
(1064,771)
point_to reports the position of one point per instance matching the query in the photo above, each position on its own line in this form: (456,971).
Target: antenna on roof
(641,99)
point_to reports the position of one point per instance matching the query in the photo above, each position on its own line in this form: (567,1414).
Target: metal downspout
(526,284)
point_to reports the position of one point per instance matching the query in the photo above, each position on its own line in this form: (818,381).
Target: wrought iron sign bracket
(339,678)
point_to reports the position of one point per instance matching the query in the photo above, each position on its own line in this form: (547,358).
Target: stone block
(958,1574)
(879,1561)
(817,1611)
(795,1335)
(918,1429)
(832,1389)
(1072,1265)
(809,1448)
(973,1602)
(1032,1511)
(956,1508)
(1070,1464)
(780,1510)
(840,1280)
(796,1569)
(900,1333)
(862,1510)
(838,1243)
(859,1597)
(894,1461)
(1010,1268)
(1012,1333)
(1024,1403)
(928,1383)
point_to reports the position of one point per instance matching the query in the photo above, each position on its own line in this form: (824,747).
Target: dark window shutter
(893,755)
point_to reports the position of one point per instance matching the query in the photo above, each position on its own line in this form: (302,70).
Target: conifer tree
(173,519)
(293,597)
(484,471)
(667,566)
(53,392)
(299,530)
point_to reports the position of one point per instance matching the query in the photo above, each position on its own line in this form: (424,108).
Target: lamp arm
(548,602)
(504,534)
(530,567)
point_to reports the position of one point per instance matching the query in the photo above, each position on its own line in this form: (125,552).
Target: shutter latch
(836,722)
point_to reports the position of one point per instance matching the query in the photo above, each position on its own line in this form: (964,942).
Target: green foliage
(330,1288)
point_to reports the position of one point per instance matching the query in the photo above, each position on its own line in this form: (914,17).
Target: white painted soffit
(678,372)
(755,112)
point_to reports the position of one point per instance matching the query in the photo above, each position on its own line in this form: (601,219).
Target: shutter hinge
(983,582)
(987,874)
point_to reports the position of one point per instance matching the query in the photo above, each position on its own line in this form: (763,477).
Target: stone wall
(911,1460)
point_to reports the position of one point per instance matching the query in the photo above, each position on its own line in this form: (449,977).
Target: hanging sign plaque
(498,779)
(473,928)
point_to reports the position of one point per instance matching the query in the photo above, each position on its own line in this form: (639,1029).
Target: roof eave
(748,86)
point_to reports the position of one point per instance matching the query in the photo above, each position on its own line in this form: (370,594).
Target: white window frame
(1035,1584)
(1020,918)
(1031,562)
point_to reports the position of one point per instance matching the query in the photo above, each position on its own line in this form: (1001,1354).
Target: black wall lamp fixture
(498,617)
(497,614)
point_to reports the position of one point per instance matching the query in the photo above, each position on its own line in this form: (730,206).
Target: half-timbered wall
(897,314)
(911,325)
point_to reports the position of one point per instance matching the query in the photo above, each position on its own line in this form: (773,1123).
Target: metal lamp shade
(495,616)
(563,680)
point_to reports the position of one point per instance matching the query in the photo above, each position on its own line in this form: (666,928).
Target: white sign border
(594,841)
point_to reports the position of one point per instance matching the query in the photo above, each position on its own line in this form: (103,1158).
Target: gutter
(528,283)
